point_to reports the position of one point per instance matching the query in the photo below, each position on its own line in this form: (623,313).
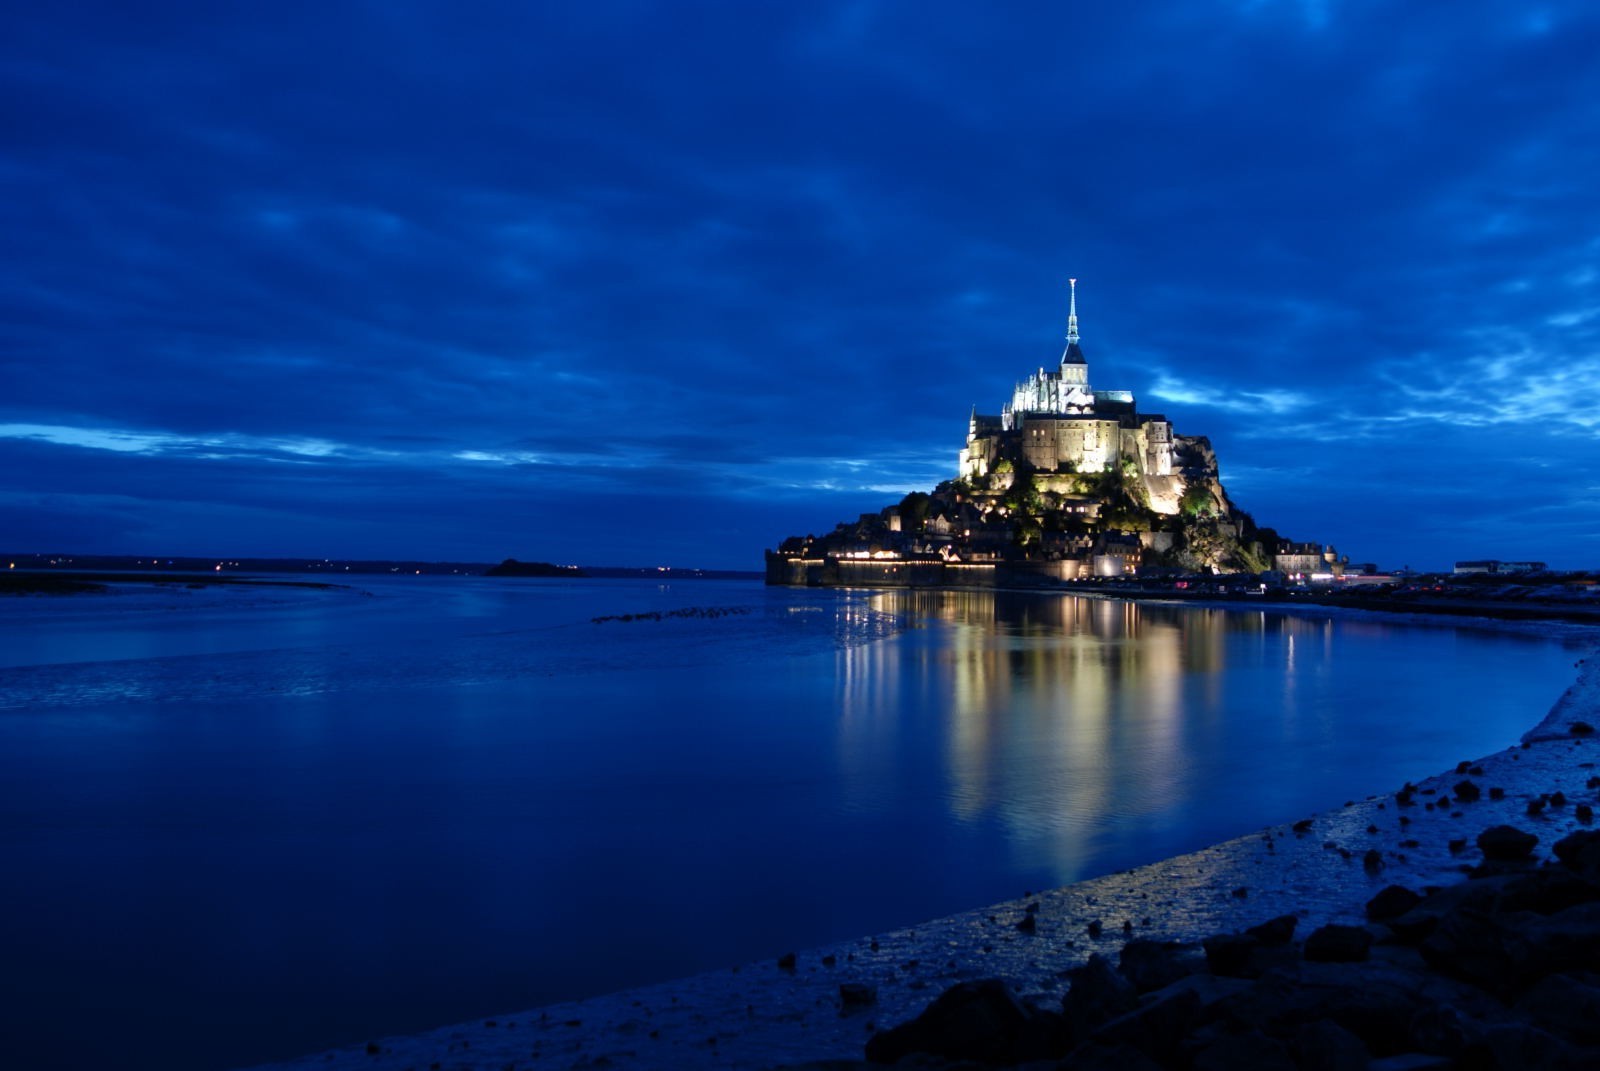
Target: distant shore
(64,582)
(1454,605)
(822,1005)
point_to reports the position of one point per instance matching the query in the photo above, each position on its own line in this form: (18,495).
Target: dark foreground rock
(1497,973)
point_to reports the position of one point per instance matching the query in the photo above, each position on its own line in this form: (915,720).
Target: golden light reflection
(1049,708)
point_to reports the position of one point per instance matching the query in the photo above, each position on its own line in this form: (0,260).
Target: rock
(1563,941)
(1278,931)
(1152,965)
(1372,862)
(1252,1049)
(1374,1001)
(1098,994)
(1157,1027)
(1391,902)
(1506,843)
(980,1020)
(1558,798)
(1338,944)
(1324,1045)
(1517,1046)
(1027,925)
(1583,813)
(1567,1005)
(1467,792)
(1441,1029)
(1302,826)
(786,961)
(1580,852)
(1546,891)
(1580,728)
(1421,920)
(857,994)
(1228,954)
(1097,1057)
(1245,955)
(1476,947)
(1412,1061)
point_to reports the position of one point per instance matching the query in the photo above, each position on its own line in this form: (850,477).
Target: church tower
(1074,369)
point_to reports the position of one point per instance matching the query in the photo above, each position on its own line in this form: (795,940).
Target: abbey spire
(1072,354)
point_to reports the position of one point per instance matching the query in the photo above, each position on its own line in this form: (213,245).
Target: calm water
(238,825)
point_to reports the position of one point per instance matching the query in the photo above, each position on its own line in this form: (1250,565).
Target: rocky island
(1065,482)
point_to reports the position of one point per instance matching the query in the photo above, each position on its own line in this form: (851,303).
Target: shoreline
(785,1010)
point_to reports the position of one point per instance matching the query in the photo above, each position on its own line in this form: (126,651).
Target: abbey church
(1056,423)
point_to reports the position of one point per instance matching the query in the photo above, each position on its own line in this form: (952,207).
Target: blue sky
(628,283)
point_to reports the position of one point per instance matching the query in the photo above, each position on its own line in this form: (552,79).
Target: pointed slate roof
(1072,354)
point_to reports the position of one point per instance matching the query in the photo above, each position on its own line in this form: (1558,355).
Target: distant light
(219,567)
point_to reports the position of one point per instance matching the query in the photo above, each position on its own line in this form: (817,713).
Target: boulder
(979,1020)
(1324,1045)
(1517,1046)
(1442,1030)
(1251,1050)
(1376,1002)
(1152,965)
(1546,891)
(1097,1057)
(1278,931)
(1391,902)
(1486,950)
(1245,955)
(857,994)
(1567,1005)
(1097,995)
(1506,844)
(1158,1025)
(1579,852)
(1338,944)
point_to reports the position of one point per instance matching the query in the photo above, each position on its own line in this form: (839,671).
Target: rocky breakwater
(1495,972)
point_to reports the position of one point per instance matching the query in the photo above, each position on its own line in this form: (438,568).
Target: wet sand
(787,1009)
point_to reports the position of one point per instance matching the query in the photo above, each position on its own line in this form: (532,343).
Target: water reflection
(1083,726)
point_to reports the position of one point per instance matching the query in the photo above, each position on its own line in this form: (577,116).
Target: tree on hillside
(1196,501)
(914,510)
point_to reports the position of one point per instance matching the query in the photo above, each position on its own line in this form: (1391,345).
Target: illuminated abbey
(1066,482)
(1056,423)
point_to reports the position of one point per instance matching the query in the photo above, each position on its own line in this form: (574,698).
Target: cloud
(1174,389)
(780,251)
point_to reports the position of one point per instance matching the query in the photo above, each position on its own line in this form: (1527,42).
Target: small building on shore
(1499,568)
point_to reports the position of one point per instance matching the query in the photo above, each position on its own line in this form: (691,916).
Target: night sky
(663,283)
